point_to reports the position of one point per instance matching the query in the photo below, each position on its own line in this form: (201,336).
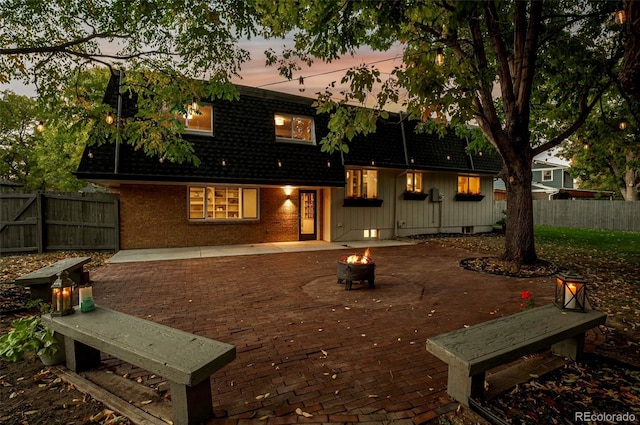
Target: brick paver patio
(342,356)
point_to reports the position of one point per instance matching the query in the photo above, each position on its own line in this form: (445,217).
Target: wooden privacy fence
(586,214)
(46,221)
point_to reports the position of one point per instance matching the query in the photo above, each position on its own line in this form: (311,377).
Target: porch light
(40,127)
(439,57)
(109,119)
(62,295)
(622,125)
(620,17)
(287,191)
(571,292)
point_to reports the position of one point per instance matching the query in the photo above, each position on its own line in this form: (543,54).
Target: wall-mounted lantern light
(288,190)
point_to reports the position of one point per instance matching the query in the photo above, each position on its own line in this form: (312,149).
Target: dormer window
(198,119)
(294,128)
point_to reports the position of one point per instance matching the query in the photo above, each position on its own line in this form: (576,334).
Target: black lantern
(62,295)
(571,292)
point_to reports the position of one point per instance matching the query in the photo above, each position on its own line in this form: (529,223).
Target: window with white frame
(547,175)
(362,183)
(198,119)
(223,203)
(294,128)
(414,182)
(469,185)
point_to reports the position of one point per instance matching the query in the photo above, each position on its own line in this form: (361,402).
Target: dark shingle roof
(244,138)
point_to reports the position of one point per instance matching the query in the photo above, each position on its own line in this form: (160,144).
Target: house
(264,178)
(552,181)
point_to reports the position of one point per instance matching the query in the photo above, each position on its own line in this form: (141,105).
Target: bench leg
(461,386)
(80,357)
(191,405)
(572,348)
(41,292)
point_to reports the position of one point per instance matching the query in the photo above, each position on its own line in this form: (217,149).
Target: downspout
(395,188)
(469,155)
(119,116)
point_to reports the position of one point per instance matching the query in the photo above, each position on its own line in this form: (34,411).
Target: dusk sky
(318,76)
(256,74)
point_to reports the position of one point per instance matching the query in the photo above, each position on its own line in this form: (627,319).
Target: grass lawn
(608,260)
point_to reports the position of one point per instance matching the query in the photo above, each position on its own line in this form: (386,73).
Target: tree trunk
(519,237)
(630,189)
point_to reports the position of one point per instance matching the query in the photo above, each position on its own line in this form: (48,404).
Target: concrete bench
(471,351)
(40,280)
(184,359)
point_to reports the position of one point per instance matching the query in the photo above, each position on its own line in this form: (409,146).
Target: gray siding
(399,217)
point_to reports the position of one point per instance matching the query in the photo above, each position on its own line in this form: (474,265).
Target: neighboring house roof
(244,137)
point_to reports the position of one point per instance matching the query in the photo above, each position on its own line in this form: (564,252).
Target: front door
(307,215)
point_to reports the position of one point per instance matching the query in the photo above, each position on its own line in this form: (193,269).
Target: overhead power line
(329,72)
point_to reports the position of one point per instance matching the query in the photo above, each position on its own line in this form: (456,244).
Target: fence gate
(43,221)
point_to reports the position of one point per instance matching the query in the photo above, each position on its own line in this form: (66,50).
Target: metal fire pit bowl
(349,272)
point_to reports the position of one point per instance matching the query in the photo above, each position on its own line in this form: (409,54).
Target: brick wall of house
(155,216)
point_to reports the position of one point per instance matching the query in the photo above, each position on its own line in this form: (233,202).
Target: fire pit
(356,267)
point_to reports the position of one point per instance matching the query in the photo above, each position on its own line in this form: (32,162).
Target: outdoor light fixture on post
(62,295)
(571,292)
(620,17)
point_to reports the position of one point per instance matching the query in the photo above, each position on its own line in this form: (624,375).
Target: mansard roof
(243,148)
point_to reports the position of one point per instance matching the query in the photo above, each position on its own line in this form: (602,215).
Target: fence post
(40,217)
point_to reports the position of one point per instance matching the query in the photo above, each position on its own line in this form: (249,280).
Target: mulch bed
(494,265)
(597,386)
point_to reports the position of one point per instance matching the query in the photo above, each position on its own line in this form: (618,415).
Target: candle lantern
(62,295)
(571,292)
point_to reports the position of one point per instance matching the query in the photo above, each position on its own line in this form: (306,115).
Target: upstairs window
(293,128)
(362,183)
(547,175)
(198,119)
(414,182)
(469,185)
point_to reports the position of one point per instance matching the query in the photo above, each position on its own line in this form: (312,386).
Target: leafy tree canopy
(528,73)
(42,156)
(604,152)
(48,43)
